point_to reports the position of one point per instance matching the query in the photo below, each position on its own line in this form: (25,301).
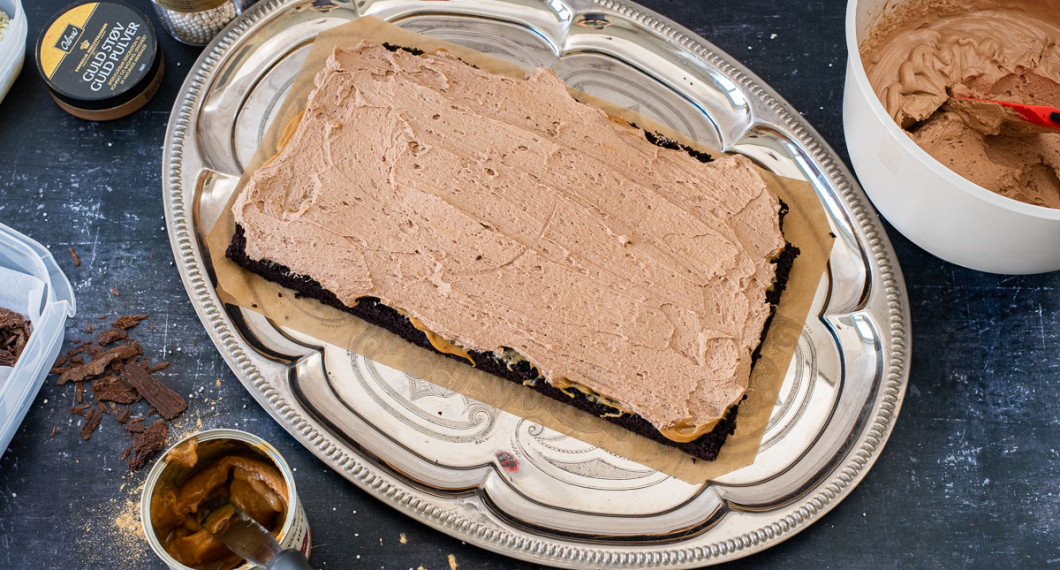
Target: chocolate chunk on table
(91,423)
(147,443)
(114,389)
(121,413)
(99,364)
(80,409)
(168,403)
(128,321)
(134,425)
(113,335)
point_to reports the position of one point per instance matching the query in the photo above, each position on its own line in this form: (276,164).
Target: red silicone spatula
(1040,115)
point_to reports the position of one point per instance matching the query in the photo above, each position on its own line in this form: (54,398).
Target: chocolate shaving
(14,333)
(73,254)
(70,356)
(127,321)
(99,364)
(119,375)
(113,335)
(168,403)
(114,291)
(91,423)
(113,389)
(147,443)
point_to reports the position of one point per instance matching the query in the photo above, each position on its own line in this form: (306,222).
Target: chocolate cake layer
(371,310)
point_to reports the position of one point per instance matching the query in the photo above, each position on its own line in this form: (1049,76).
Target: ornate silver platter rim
(842,197)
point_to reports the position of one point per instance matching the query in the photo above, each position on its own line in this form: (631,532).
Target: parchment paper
(805,226)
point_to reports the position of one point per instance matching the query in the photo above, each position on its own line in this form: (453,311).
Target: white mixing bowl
(930,204)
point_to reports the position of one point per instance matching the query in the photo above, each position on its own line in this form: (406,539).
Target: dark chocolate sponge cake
(371,310)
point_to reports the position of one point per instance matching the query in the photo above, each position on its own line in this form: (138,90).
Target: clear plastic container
(22,254)
(12,44)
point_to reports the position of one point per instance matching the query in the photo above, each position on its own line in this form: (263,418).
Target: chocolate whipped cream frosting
(501,213)
(926,51)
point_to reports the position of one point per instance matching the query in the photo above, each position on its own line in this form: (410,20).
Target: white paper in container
(52,305)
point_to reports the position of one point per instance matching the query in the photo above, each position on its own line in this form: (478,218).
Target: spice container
(177,485)
(100,60)
(196,22)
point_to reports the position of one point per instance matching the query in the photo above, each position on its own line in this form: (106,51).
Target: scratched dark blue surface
(970,477)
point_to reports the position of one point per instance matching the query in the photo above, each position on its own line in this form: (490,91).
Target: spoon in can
(246,538)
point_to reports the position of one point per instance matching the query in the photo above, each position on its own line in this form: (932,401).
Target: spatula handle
(290,559)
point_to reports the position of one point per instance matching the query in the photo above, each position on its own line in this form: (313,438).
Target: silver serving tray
(449,461)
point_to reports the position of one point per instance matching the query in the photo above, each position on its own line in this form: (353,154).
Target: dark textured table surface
(970,476)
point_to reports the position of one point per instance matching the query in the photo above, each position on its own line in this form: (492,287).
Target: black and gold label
(96,51)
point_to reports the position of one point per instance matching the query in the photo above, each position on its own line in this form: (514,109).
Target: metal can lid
(98,55)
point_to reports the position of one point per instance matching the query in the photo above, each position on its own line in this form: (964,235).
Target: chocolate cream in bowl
(924,52)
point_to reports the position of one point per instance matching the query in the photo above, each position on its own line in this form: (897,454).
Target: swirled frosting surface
(500,212)
(926,51)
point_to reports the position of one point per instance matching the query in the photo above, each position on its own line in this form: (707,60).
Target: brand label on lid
(57,43)
(96,51)
(69,38)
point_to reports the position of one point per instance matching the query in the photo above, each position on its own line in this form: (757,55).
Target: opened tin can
(184,464)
